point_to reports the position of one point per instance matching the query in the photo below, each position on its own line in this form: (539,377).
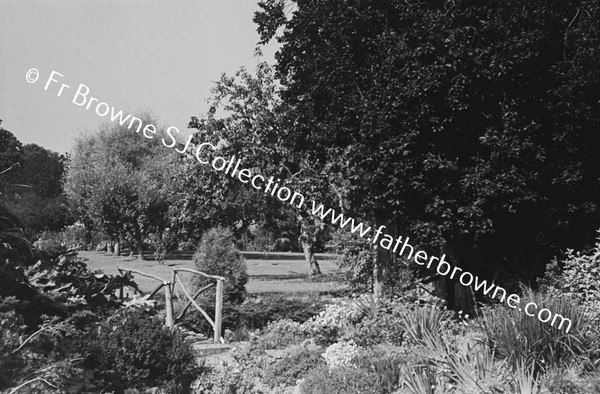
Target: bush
(330,324)
(50,244)
(382,328)
(343,381)
(578,275)
(261,241)
(134,350)
(295,364)
(218,256)
(283,244)
(523,339)
(281,333)
(255,313)
(74,237)
(571,381)
(245,378)
(423,320)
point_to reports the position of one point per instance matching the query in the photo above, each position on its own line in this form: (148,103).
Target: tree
(468,126)
(120,183)
(250,129)
(10,154)
(10,149)
(32,185)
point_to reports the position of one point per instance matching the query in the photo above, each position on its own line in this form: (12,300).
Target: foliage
(38,213)
(50,243)
(43,358)
(525,339)
(422,320)
(570,380)
(122,183)
(357,255)
(283,244)
(33,186)
(329,324)
(75,236)
(243,377)
(250,129)
(296,362)
(281,333)
(255,313)
(578,275)
(217,255)
(346,381)
(67,279)
(247,130)
(10,151)
(498,99)
(383,328)
(341,354)
(133,350)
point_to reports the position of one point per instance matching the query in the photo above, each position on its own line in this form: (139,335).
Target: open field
(280,273)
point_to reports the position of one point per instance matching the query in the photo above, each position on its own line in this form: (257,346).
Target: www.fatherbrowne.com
(231,167)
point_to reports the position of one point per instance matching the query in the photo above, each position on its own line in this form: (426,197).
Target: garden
(466,130)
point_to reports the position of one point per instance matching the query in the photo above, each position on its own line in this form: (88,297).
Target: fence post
(168,305)
(218,310)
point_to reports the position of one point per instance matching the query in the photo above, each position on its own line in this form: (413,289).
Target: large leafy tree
(249,127)
(470,126)
(120,183)
(32,185)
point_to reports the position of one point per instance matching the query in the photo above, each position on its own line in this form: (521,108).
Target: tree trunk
(308,235)
(457,296)
(382,256)
(117,247)
(139,245)
(312,265)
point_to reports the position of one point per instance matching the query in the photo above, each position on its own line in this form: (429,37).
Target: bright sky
(158,55)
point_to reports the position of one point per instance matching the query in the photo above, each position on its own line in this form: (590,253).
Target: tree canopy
(471,127)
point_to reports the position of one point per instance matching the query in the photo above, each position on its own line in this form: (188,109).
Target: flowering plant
(342,354)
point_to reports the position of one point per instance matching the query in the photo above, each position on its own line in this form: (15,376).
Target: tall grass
(523,339)
(424,320)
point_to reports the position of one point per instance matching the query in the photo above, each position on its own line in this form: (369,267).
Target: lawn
(279,273)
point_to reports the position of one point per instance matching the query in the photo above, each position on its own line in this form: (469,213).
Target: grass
(280,273)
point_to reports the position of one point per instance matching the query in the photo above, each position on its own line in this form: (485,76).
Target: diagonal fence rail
(169,286)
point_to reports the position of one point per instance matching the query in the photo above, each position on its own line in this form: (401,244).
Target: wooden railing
(169,286)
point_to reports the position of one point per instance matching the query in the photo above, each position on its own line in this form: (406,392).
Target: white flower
(341,354)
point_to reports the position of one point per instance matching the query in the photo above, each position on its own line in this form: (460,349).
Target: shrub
(133,350)
(344,381)
(255,313)
(578,277)
(341,354)
(217,256)
(523,339)
(281,333)
(357,256)
(50,244)
(297,362)
(422,320)
(570,380)
(243,379)
(330,324)
(283,244)
(262,241)
(382,328)
(74,237)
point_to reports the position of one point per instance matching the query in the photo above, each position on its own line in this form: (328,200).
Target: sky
(162,56)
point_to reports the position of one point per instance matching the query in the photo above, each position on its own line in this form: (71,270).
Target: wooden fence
(169,286)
